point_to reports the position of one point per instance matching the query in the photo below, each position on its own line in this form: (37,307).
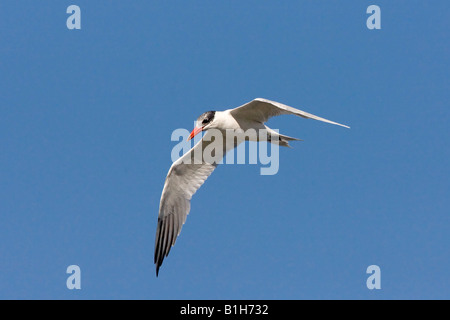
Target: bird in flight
(190,171)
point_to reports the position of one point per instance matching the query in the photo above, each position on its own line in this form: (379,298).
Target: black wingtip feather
(165,238)
(159,235)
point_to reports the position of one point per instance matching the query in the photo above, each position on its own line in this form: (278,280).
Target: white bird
(189,172)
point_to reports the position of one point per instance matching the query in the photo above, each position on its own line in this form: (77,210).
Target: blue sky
(85,126)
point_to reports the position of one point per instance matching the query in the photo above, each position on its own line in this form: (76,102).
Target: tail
(284,140)
(280,139)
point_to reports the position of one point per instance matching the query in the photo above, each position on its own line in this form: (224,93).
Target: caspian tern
(186,176)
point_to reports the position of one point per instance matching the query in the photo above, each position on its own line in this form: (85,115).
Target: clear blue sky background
(85,125)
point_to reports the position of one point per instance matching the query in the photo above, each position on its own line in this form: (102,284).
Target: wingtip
(338,124)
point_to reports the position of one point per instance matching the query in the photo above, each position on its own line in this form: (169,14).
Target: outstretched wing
(185,177)
(262,109)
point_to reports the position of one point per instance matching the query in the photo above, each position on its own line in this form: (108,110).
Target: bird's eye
(205,121)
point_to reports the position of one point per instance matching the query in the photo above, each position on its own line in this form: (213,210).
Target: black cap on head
(206,117)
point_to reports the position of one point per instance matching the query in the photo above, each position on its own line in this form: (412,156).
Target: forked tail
(284,140)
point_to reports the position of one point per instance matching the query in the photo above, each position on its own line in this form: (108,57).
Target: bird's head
(204,122)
